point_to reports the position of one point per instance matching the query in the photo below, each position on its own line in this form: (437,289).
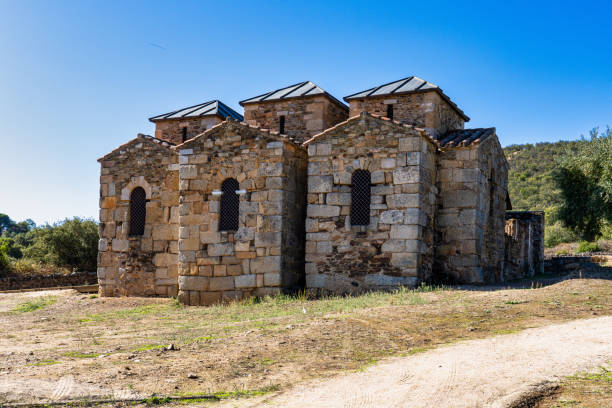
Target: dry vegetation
(254,347)
(586,390)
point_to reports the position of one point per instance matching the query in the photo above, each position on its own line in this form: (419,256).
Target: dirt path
(480,373)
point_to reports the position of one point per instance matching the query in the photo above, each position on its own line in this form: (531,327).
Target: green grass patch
(515,302)
(43,363)
(76,354)
(147,347)
(133,314)
(604,375)
(34,304)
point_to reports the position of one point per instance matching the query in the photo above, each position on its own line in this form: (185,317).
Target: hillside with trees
(557,177)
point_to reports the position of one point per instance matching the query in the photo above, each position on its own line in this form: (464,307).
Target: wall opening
(390,111)
(138,211)
(281,125)
(184,134)
(360,197)
(230,203)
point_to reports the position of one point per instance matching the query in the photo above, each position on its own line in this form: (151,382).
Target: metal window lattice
(228,220)
(138,211)
(360,197)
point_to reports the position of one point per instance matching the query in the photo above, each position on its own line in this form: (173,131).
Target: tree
(585,180)
(72,242)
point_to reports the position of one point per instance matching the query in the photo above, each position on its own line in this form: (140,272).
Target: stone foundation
(524,244)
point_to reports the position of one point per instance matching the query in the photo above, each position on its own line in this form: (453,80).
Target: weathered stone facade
(426,110)
(364,203)
(147,264)
(524,244)
(264,255)
(473,186)
(396,247)
(304,117)
(172,131)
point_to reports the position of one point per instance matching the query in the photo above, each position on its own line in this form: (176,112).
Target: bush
(587,247)
(556,234)
(70,243)
(5,265)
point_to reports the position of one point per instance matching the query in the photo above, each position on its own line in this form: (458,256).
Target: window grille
(390,111)
(360,197)
(229,211)
(281,126)
(138,211)
(184,136)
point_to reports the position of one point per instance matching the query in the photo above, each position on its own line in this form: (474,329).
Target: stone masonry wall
(142,265)
(423,109)
(172,129)
(469,226)
(265,255)
(524,244)
(396,247)
(304,117)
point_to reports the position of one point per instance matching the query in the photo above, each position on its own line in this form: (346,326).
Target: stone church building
(305,192)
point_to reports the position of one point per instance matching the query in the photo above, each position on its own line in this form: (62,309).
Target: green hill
(530,181)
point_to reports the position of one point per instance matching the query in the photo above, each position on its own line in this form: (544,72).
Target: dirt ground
(58,345)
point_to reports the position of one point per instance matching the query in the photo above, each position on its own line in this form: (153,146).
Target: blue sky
(79,78)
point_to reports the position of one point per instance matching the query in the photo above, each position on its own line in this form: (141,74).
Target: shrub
(5,265)
(556,234)
(587,247)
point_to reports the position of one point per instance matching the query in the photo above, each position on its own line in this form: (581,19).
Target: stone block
(404,231)
(386,280)
(245,281)
(247,207)
(188,172)
(322,211)
(391,217)
(404,260)
(415,216)
(272,279)
(404,175)
(120,245)
(403,200)
(193,283)
(266,264)
(387,163)
(210,237)
(189,244)
(320,184)
(221,249)
(103,245)
(222,283)
(268,239)
(338,199)
(394,245)
(244,234)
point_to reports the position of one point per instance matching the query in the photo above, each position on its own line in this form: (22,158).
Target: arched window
(228,220)
(360,197)
(138,211)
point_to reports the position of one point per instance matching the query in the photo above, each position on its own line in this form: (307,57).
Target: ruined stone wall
(423,109)
(304,117)
(172,129)
(265,254)
(469,225)
(396,247)
(139,265)
(524,244)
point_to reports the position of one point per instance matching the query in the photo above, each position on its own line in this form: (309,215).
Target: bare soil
(57,345)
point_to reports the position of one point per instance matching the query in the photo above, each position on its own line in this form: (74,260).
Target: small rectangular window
(281,126)
(390,111)
(184,134)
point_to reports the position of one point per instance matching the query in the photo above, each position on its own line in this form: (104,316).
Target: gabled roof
(365,114)
(210,108)
(299,90)
(465,137)
(139,139)
(404,86)
(231,122)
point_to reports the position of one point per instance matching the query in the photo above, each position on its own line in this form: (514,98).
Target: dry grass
(267,344)
(587,390)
